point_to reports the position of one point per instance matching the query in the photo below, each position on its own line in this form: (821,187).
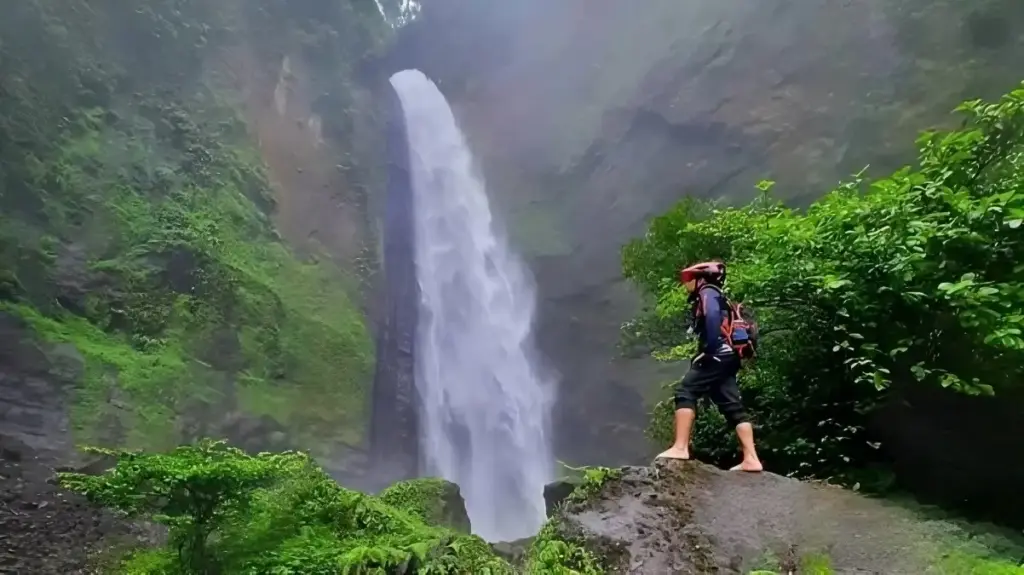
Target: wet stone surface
(690,518)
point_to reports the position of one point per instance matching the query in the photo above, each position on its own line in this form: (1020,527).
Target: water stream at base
(485,400)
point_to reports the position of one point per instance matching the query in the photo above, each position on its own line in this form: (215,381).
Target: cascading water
(485,402)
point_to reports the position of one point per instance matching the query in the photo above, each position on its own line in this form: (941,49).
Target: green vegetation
(555,552)
(190,280)
(592,481)
(807,564)
(914,279)
(955,563)
(135,217)
(229,512)
(968,564)
(816,564)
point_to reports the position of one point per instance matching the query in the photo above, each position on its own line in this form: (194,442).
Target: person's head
(697,275)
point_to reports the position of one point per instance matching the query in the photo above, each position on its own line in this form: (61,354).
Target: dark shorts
(718,380)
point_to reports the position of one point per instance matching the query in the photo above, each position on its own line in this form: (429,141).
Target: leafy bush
(554,554)
(193,490)
(913,279)
(233,513)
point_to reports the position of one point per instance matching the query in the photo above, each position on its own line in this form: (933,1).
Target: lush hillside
(184,188)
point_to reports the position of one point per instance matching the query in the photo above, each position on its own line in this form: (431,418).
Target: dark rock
(11,449)
(394,446)
(98,466)
(66,364)
(557,492)
(72,277)
(513,551)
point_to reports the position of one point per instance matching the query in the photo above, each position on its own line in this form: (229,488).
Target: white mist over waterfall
(485,402)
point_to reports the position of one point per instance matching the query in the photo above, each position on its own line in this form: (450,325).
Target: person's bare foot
(674,453)
(752,466)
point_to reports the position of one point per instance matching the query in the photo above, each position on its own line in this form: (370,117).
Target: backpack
(739,328)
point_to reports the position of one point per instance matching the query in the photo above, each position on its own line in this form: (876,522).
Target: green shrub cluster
(552,553)
(233,513)
(913,279)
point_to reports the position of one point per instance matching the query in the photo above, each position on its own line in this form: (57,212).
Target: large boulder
(687,517)
(435,501)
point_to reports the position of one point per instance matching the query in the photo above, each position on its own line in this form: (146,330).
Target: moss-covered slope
(136,219)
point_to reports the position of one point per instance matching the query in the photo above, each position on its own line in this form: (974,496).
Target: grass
(959,563)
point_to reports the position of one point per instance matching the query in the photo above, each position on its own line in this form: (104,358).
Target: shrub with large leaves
(913,279)
(194,490)
(233,513)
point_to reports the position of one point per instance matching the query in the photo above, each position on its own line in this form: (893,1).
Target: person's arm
(712,322)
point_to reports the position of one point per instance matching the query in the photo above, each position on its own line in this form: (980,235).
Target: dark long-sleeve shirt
(708,326)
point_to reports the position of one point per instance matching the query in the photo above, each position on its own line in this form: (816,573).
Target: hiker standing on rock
(725,338)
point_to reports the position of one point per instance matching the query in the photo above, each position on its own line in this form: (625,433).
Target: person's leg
(750,462)
(688,391)
(726,396)
(683,425)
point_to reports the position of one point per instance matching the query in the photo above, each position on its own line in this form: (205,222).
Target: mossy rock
(436,501)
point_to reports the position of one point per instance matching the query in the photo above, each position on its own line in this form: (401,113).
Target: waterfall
(485,402)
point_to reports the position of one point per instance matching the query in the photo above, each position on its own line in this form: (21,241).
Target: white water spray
(485,403)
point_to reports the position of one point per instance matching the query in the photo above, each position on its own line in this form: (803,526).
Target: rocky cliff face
(394,427)
(590,117)
(186,245)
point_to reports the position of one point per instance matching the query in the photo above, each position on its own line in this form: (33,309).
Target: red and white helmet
(713,272)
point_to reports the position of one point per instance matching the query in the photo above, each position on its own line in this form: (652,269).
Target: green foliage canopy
(913,279)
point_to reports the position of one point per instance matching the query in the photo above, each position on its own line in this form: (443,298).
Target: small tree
(191,489)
